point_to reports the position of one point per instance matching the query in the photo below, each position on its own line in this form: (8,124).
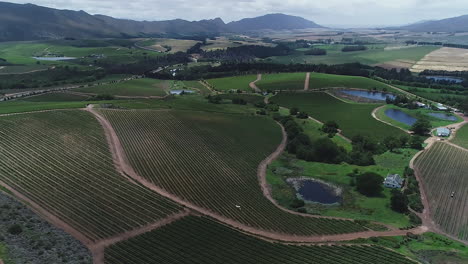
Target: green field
(376,54)
(61,160)
(233,83)
(353,119)
(209,243)
(282,81)
(437,95)
(208,159)
(197,86)
(461,138)
(443,170)
(321,80)
(249,98)
(56,97)
(138,87)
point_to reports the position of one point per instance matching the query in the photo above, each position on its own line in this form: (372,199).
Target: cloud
(344,12)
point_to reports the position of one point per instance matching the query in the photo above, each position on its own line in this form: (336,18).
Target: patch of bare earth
(443,59)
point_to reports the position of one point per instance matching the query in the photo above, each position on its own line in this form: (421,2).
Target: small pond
(54,58)
(315,191)
(369,95)
(181,91)
(400,116)
(444,116)
(445,78)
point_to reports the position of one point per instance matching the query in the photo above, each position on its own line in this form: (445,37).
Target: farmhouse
(443,132)
(441,107)
(393,181)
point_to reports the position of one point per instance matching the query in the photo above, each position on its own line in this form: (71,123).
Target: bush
(297,203)
(15,229)
(302,115)
(399,202)
(239,101)
(214,99)
(369,184)
(293,111)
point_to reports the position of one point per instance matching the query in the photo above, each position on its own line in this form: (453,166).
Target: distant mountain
(455,24)
(32,22)
(272,22)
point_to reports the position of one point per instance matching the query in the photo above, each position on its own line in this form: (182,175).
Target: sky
(349,13)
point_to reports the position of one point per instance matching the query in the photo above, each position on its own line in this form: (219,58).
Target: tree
(404,140)
(15,229)
(302,115)
(464,106)
(399,202)
(369,184)
(391,143)
(293,111)
(422,127)
(416,142)
(331,128)
(214,99)
(239,101)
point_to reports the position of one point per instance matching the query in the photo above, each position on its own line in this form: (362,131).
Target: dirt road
(307,82)
(253,84)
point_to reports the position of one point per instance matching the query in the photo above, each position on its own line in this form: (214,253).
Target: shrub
(297,203)
(369,184)
(15,229)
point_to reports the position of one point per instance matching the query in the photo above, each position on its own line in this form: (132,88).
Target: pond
(54,58)
(369,95)
(180,91)
(400,116)
(444,116)
(316,191)
(445,78)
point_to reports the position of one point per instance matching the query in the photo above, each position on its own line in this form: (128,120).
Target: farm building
(441,107)
(443,132)
(393,181)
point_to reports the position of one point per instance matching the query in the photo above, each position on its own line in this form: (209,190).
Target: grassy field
(210,243)
(282,81)
(207,159)
(432,94)
(174,45)
(376,54)
(233,83)
(66,153)
(197,86)
(443,170)
(138,87)
(321,80)
(461,137)
(353,119)
(56,97)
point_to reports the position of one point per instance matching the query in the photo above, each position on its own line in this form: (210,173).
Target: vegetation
(211,242)
(232,83)
(282,81)
(138,87)
(461,138)
(442,168)
(67,152)
(369,184)
(353,48)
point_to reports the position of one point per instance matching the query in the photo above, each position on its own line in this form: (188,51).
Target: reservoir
(400,116)
(369,95)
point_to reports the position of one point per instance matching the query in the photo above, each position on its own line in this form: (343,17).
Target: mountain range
(454,24)
(32,22)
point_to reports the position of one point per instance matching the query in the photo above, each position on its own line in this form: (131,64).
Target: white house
(443,132)
(393,181)
(441,107)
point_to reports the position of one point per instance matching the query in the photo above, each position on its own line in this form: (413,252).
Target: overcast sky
(325,12)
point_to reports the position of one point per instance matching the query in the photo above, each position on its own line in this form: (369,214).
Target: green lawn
(461,137)
(353,119)
(233,83)
(321,80)
(138,87)
(282,81)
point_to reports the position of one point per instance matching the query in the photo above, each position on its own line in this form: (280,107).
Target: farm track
(207,86)
(123,166)
(307,82)
(253,84)
(374,115)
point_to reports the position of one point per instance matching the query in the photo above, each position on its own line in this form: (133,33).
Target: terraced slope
(61,161)
(211,160)
(210,242)
(443,170)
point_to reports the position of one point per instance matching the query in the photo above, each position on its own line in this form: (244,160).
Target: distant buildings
(393,181)
(443,132)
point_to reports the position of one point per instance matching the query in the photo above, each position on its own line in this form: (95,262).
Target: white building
(393,181)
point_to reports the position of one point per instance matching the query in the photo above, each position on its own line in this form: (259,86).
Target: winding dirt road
(253,84)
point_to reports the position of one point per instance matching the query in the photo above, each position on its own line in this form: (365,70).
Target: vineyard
(233,83)
(461,137)
(282,81)
(200,240)
(61,161)
(443,170)
(138,87)
(211,160)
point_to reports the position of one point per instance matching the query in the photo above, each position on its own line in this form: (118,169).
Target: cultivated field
(282,81)
(233,83)
(461,137)
(200,240)
(443,171)
(353,119)
(444,59)
(176,45)
(321,80)
(208,160)
(138,87)
(61,160)
(225,42)
(56,97)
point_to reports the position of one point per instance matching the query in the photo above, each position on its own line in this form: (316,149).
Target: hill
(454,24)
(272,22)
(31,22)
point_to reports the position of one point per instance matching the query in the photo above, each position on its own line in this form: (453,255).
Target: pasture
(210,242)
(461,138)
(138,87)
(61,160)
(282,81)
(207,159)
(443,171)
(233,83)
(354,119)
(443,59)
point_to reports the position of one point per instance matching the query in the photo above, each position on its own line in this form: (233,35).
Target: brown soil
(307,81)
(253,84)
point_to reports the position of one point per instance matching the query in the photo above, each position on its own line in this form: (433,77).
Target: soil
(254,86)
(307,81)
